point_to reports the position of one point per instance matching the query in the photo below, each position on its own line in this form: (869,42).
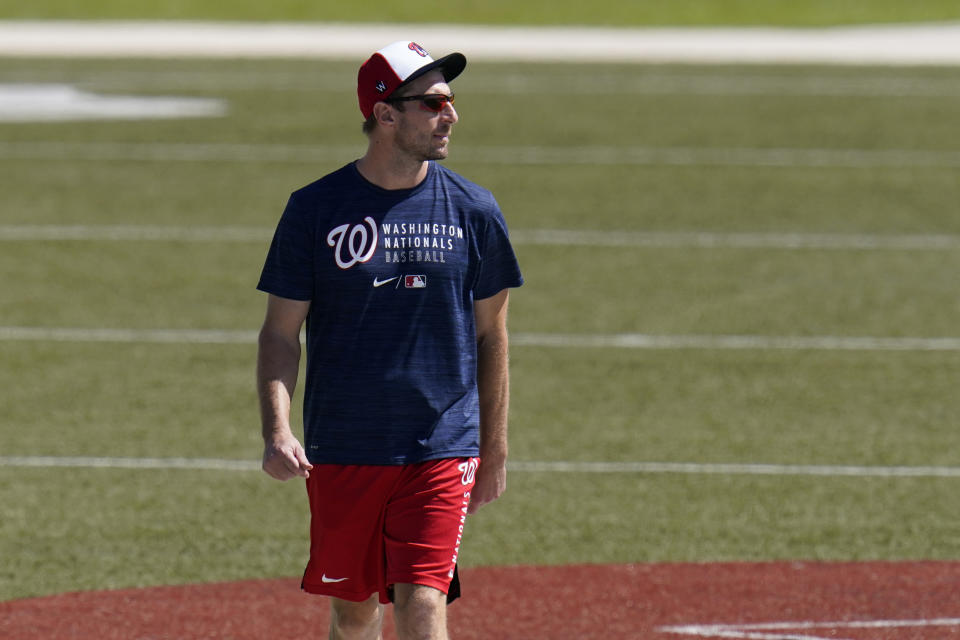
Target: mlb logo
(415,282)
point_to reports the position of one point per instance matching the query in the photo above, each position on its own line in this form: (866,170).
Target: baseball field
(738,341)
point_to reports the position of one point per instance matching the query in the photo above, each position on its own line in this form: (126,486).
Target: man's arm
(494,388)
(278,363)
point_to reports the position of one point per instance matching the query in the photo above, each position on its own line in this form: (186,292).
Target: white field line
(695,468)
(513,83)
(782,630)
(131,336)
(727,342)
(687,468)
(138,233)
(77,462)
(526,155)
(56,102)
(546,237)
(732,240)
(918,44)
(521,339)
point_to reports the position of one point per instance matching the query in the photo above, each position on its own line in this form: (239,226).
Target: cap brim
(451,66)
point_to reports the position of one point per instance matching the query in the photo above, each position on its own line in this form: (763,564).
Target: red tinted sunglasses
(431,102)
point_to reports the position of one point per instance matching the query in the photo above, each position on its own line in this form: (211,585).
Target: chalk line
(594,155)
(515,82)
(782,630)
(909,44)
(519,339)
(723,342)
(569,466)
(545,237)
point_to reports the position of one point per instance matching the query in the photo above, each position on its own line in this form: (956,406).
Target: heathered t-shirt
(391,339)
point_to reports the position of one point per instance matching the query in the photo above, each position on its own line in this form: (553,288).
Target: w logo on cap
(413,46)
(381,86)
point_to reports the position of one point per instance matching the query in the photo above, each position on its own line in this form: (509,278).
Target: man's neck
(391,175)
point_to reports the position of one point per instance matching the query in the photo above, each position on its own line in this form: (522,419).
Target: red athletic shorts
(375,526)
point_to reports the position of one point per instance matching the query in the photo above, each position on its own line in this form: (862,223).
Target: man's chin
(439,154)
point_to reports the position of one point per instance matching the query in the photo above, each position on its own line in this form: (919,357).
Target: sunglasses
(431,102)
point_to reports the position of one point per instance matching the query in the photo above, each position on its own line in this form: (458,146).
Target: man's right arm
(278,363)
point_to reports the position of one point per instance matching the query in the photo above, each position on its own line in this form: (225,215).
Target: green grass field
(604,12)
(847,154)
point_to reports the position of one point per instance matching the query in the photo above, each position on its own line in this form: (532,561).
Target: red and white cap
(397,64)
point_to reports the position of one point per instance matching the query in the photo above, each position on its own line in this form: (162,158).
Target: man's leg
(420,612)
(356,620)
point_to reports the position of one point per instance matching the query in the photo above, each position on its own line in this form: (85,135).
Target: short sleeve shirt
(391,341)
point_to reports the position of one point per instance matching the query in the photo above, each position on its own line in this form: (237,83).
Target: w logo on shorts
(469,470)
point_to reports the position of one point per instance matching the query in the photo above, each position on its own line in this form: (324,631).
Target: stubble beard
(423,148)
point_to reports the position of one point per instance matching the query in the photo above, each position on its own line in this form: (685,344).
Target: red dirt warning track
(771,601)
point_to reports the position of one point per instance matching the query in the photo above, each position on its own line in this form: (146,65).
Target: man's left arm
(493,384)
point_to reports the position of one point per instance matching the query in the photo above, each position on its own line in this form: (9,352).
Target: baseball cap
(397,64)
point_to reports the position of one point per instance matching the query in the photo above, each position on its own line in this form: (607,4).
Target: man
(400,269)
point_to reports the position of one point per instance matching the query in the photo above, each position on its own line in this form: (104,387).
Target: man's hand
(493,386)
(285,458)
(278,360)
(490,485)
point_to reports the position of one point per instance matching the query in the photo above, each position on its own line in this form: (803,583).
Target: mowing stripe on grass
(545,237)
(530,155)
(521,339)
(688,468)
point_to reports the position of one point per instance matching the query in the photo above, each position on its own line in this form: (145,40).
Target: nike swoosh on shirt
(327,580)
(377,282)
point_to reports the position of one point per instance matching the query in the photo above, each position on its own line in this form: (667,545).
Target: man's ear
(384,114)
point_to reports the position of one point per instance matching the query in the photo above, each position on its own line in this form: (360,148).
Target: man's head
(416,121)
(396,66)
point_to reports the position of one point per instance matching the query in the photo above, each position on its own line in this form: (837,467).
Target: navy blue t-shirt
(391,340)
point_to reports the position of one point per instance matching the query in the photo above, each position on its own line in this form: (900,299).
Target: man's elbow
(493,343)
(270,340)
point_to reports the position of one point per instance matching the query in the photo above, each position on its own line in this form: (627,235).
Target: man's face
(421,133)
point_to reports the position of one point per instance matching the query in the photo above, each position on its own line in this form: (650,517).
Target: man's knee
(355,620)
(420,612)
